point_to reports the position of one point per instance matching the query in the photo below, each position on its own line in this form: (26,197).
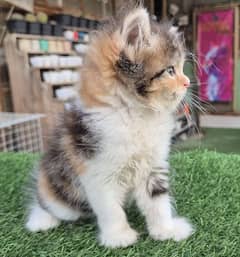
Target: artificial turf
(206,186)
(216,139)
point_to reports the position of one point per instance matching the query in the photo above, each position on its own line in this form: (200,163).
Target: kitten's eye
(171,70)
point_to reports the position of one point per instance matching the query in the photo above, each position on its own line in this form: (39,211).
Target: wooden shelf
(47,52)
(61,83)
(77,29)
(36,94)
(30,36)
(80,42)
(56,67)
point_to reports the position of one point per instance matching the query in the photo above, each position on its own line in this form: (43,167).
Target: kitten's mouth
(174,97)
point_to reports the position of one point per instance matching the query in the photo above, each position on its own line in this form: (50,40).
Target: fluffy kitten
(117,140)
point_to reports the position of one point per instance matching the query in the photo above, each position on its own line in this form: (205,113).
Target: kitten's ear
(136,27)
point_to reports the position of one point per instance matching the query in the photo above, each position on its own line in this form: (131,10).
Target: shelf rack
(29,93)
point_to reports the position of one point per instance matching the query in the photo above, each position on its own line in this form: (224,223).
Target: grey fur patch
(62,179)
(56,163)
(157,184)
(128,68)
(133,71)
(84,139)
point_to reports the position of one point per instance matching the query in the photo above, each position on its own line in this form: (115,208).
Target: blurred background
(42,46)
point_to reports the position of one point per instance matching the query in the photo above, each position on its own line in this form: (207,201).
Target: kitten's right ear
(136,27)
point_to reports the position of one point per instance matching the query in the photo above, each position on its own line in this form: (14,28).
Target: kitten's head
(143,58)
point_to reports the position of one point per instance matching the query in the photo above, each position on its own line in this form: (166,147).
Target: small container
(35,61)
(60,46)
(74,21)
(46,29)
(63,19)
(17,26)
(82,22)
(75,76)
(75,36)
(52,45)
(35,45)
(96,24)
(90,24)
(86,37)
(44,45)
(46,61)
(25,45)
(62,61)
(81,48)
(81,35)
(34,28)
(67,46)
(69,35)
(54,60)
(57,30)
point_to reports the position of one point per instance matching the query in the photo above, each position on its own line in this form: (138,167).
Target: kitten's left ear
(136,27)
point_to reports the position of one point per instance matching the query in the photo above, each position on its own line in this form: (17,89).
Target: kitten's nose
(186,82)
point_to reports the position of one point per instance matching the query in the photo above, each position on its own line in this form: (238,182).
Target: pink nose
(186,82)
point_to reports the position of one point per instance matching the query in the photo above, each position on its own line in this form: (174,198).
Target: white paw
(119,238)
(179,229)
(39,219)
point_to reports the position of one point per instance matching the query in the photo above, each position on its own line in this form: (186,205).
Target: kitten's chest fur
(133,141)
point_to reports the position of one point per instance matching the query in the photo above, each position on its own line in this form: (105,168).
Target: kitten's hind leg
(48,209)
(40,219)
(154,201)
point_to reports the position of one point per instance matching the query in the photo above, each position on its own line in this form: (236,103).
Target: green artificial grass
(216,139)
(206,186)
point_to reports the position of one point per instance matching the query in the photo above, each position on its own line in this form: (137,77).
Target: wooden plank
(47,7)
(164,9)
(220,121)
(23,4)
(236,87)
(51,52)
(77,29)
(61,83)
(195,40)
(56,67)
(19,79)
(3,139)
(29,36)
(236,106)
(1,101)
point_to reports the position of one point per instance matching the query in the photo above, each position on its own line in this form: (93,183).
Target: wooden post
(236,88)
(164,9)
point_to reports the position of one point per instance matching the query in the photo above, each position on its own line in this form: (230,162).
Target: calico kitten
(116,141)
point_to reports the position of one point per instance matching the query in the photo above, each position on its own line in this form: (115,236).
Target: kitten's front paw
(118,238)
(178,230)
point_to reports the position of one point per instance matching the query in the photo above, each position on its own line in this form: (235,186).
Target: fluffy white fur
(142,144)
(40,219)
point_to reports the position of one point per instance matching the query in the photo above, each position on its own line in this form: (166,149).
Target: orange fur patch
(44,188)
(98,76)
